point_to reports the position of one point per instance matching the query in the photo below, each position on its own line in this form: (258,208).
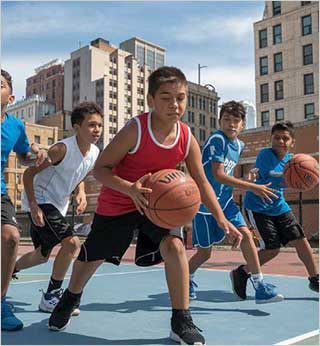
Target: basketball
(301,172)
(175,198)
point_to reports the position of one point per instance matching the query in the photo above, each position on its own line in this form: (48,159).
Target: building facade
(31,109)
(48,82)
(145,52)
(287,62)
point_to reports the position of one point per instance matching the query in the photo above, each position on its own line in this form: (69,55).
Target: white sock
(256,279)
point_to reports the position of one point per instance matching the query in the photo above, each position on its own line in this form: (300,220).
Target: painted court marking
(299,338)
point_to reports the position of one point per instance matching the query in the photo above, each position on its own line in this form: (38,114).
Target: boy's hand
(36,215)
(81,201)
(265,192)
(253,174)
(233,236)
(136,193)
(40,155)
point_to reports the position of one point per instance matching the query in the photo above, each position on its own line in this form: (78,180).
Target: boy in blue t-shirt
(220,155)
(13,137)
(275,221)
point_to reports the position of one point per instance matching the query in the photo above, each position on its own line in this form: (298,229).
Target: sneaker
(192,290)
(50,300)
(239,278)
(314,283)
(9,321)
(184,331)
(60,317)
(266,293)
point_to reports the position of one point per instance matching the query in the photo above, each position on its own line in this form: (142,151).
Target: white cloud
(199,30)
(231,82)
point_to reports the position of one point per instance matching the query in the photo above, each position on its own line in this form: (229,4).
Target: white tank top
(55,184)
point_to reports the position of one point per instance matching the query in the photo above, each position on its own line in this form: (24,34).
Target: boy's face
(169,102)
(6,96)
(90,128)
(231,125)
(281,142)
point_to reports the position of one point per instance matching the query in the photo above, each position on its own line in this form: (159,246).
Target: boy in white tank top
(47,193)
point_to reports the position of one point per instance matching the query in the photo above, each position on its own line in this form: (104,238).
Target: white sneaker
(50,300)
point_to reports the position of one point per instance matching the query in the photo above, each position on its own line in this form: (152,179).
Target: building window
(277,37)
(37,139)
(309,111)
(159,60)
(50,141)
(308,83)
(276,8)
(151,59)
(202,134)
(307,54)
(263,65)
(278,90)
(263,38)
(264,93)
(265,118)
(140,54)
(277,62)
(304,3)
(306,25)
(279,114)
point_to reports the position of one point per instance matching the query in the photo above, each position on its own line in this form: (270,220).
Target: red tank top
(148,156)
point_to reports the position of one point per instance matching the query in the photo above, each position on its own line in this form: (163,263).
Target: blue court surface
(129,305)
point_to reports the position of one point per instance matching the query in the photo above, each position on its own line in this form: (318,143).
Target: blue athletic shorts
(205,230)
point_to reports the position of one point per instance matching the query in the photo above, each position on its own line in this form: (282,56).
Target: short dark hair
(234,108)
(6,75)
(283,126)
(165,74)
(82,109)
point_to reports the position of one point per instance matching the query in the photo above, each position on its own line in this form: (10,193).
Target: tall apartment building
(287,62)
(202,110)
(145,52)
(31,109)
(48,83)
(111,77)
(251,116)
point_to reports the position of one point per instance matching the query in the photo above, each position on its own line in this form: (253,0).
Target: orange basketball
(301,172)
(175,198)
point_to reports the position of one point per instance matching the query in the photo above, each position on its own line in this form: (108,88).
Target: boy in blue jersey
(13,137)
(220,155)
(275,221)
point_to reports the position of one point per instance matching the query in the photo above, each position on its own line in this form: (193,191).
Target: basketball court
(129,305)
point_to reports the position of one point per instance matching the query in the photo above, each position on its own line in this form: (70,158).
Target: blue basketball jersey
(219,148)
(270,170)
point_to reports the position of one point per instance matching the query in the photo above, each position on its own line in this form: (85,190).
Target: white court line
(95,275)
(299,338)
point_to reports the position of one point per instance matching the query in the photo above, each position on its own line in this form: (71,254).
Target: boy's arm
(263,191)
(81,199)
(56,154)
(36,156)
(208,196)
(115,151)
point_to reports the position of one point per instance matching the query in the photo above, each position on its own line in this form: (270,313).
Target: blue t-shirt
(270,170)
(219,148)
(13,137)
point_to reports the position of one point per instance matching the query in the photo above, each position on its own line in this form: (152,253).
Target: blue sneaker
(9,321)
(192,290)
(266,293)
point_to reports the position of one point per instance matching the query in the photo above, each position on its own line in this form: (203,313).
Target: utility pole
(199,72)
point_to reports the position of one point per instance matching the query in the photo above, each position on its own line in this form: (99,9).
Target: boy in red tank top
(148,143)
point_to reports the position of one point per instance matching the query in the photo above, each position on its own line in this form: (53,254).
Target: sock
(54,284)
(192,275)
(256,279)
(176,313)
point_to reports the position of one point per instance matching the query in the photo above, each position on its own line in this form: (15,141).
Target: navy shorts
(8,213)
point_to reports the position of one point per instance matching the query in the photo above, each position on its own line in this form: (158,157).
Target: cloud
(203,29)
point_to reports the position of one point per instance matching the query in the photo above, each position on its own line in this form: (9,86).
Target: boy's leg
(31,259)
(10,237)
(266,255)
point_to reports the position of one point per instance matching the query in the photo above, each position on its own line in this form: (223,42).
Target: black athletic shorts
(111,236)
(276,230)
(8,213)
(56,228)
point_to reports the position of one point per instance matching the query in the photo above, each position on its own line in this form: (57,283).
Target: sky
(216,34)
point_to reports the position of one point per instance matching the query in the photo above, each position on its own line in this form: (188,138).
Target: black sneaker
(184,331)
(314,283)
(239,278)
(61,315)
